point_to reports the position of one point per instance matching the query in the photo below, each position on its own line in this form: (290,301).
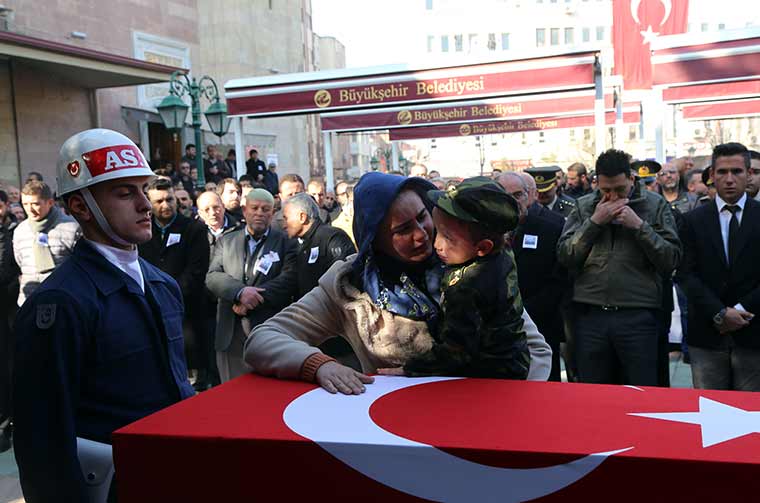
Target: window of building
(523,139)
(721,26)
(704,27)
(444,43)
(632,130)
(458,43)
(586,134)
(555,36)
(540,37)
(540,137)
(569,36)
(572,134)
(429,4)
(473,41)
(491,41)
(587,34)
(430,41)
(600,32)
(505,41)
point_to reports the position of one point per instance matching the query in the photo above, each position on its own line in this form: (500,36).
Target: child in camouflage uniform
(481,331)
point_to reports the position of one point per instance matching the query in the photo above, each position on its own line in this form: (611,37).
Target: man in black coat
(542,280)
(255,167)
(720,275)
(320,245)
(253,274)
(179,247)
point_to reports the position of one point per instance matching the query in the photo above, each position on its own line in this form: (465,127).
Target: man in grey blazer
(253,273)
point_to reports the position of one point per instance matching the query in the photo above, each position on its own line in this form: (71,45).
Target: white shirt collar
(125,260)
(721,203)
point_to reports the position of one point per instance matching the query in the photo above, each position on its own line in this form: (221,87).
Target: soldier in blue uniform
(99,344)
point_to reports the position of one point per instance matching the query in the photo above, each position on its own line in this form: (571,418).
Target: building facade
(66,66)
(448,32)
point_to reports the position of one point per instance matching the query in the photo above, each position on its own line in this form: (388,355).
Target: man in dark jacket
(721,278)
(541,278)
(618,243)
(255,167)
(253,274)
(179,248)
(9,273)
(320,244)
(218,223)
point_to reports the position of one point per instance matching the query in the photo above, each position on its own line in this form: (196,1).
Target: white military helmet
(95,156)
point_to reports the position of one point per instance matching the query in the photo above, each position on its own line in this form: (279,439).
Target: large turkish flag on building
(635,24)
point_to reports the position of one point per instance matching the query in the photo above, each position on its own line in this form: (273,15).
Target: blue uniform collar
(106,276)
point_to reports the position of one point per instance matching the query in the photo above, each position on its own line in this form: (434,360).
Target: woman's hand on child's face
(398,371)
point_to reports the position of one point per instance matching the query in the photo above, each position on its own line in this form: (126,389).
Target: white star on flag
(719,422)
(649,35)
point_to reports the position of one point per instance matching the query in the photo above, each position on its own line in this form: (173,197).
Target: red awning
(712,92)
(719,61)
(534,106)
(349,89)
(508,126)
(722,110)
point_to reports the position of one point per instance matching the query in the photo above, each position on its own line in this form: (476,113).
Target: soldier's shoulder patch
(45,316)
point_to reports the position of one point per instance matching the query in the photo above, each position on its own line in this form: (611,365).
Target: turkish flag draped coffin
(442,439)
(635,24)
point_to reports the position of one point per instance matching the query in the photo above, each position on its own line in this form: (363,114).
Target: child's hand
(398,371)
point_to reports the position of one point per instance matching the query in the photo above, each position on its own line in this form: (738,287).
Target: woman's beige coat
(380,339)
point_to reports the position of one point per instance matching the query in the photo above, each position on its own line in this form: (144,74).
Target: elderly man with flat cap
(546,184)
(253,273)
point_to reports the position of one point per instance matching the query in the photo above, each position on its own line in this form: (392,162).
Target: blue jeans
(727,368)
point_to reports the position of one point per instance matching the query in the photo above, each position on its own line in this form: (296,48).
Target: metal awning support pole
(329,173)
(239,153)
(599,126)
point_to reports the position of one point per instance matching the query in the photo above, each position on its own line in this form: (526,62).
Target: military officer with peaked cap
(646,171)
(546,185)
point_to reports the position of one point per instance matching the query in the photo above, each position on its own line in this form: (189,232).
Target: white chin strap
(100,218)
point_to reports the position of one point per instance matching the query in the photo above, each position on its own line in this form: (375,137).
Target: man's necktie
(733,231)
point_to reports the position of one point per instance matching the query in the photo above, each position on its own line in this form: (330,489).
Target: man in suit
(542,280)
(178,247)
(721,277)
(253,273)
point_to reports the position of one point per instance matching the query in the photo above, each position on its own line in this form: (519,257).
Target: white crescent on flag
(635,4)
(342,426)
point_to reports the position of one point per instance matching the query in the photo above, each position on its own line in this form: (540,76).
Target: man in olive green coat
(619,242)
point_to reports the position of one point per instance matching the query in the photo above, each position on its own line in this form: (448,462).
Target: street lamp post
(482,152)
(173,111)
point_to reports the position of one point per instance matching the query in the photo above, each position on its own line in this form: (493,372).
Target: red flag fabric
(635,24)
(440,439)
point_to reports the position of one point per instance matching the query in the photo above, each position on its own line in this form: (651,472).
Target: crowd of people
(132,288)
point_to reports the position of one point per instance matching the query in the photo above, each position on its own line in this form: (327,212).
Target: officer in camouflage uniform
(481,330)
(548,195)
